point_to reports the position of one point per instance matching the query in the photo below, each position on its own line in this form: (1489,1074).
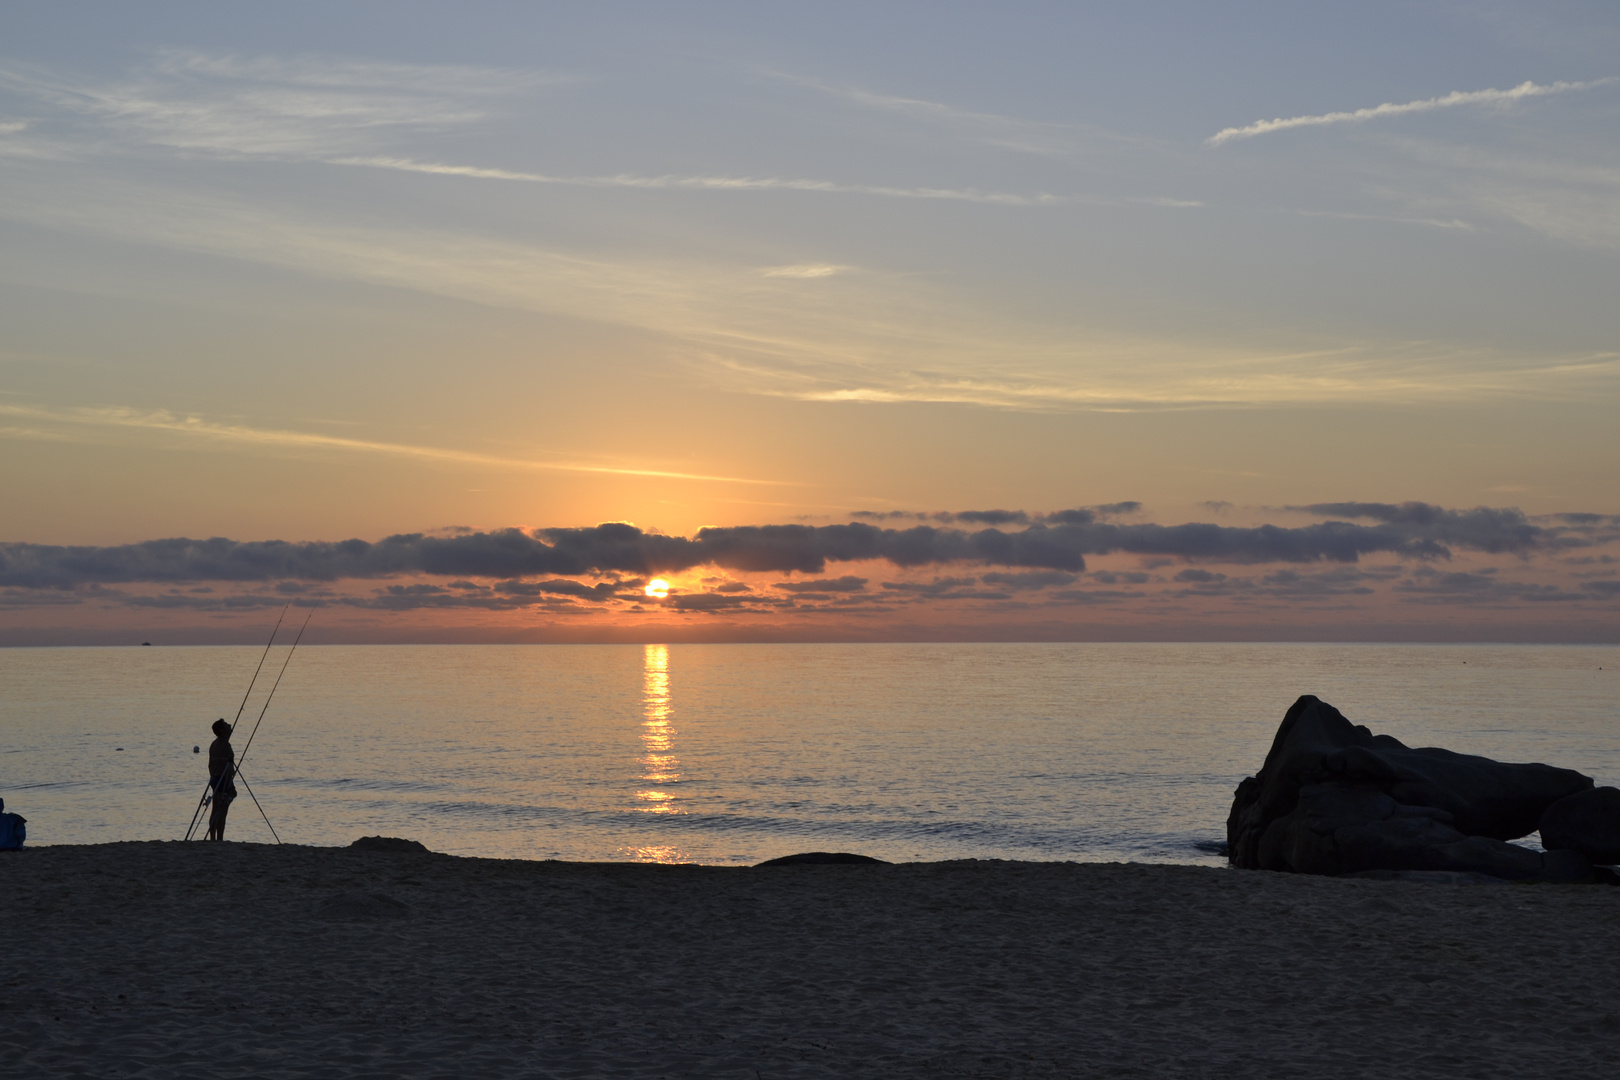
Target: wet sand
(240,960)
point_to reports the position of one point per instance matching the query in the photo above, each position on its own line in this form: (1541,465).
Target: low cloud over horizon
(995,569)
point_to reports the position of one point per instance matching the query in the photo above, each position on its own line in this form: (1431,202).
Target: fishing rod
(202,802)
(237,719)
(272,694)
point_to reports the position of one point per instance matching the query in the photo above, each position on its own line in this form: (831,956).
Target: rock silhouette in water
(1333,798)
(1587,822)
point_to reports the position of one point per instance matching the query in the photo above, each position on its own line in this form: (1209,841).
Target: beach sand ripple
(239,960)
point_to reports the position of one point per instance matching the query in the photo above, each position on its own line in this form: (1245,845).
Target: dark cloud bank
(1050,543)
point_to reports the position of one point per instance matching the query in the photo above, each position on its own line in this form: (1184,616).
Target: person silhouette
(221,774)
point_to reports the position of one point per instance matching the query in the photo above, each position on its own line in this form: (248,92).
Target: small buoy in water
(196,749)
(120,749)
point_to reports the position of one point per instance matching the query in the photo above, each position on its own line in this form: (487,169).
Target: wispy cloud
(18,139)
(1041,137)
(874,337)
(1095,150)
(1447,101)
(810,270)
(200,428)
(268,106)
(343,111)
(359,113)
(708,183)
(1433,223)
(1572,195)
(1124,377)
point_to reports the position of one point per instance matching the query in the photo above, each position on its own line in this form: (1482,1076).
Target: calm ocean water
(738,753)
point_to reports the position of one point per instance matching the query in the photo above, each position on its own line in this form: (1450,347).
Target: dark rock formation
(388,843)
(1333,798)
(818,858)
(1587,822)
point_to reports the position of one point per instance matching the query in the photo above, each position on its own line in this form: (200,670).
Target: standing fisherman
(221,773)
(222,759)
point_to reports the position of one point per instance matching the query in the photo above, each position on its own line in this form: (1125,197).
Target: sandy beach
(241,960)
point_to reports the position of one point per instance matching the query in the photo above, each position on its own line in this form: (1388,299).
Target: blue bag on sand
(12,833)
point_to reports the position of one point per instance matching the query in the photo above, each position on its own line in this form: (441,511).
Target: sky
(1149,321)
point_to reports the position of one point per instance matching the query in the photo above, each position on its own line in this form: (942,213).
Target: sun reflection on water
(659,853)
(659,765)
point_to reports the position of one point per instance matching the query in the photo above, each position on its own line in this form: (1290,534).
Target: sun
(658,588)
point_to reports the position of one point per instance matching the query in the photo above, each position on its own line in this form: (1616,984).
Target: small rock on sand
(388,843)
(822,858)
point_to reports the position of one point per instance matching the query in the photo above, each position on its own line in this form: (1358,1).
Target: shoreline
(160,958)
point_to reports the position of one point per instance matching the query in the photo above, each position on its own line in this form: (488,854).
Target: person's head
(221,728)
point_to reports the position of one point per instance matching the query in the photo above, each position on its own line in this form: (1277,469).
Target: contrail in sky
(1456,97)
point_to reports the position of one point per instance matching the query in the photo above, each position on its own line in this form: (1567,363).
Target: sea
(733,754)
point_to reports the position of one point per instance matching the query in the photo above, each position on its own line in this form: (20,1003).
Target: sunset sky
(847,321)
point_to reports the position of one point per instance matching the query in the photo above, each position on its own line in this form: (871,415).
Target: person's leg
(216,819)
(224,806)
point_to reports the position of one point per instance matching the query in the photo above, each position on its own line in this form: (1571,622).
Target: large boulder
(1587,822)
(1333,798)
